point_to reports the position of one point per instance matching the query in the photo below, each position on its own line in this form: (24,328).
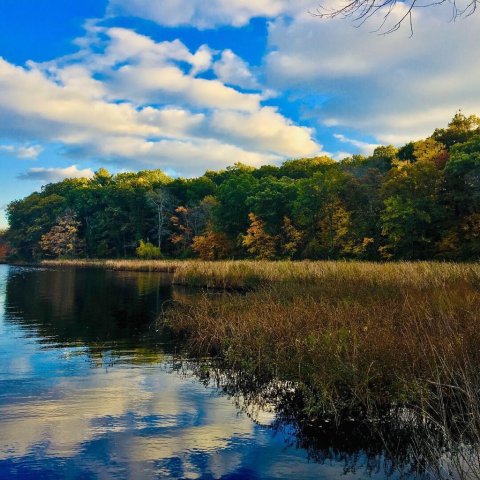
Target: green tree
(411,219)
(460,129)
(231,214)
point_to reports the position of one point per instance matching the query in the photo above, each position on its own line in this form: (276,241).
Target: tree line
(420,201)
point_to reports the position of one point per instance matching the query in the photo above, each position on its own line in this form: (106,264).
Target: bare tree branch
(360,11)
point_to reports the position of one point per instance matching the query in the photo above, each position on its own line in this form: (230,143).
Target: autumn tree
(63,239)
(189,222)
(212,245)
(257,241)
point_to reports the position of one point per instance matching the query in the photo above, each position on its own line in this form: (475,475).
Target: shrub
(148,250)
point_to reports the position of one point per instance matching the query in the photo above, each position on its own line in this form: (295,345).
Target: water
(88,390)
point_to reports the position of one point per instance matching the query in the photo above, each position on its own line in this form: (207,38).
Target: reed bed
(352,340)
(349,340)
(249,274)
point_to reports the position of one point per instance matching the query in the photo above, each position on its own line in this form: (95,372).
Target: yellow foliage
(257,241)
(212,245)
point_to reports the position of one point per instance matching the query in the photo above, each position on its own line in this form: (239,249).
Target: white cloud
(233,70)
(30,152)
(55,174)
(191,157)
(149,84)
(393,87)
(154,74)
(124,98)
(265,130)
(207,14)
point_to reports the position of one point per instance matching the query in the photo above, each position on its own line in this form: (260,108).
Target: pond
(89,388)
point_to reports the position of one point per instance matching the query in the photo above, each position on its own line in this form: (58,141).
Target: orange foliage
(212,245)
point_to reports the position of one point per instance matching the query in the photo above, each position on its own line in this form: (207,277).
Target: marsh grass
(352,340)
(249,274)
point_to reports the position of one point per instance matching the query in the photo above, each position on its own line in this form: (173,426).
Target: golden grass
(355,338)
(244,274)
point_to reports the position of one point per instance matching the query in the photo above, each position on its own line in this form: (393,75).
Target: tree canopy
(420,201)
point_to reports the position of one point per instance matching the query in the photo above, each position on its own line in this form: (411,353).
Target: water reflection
(89,389)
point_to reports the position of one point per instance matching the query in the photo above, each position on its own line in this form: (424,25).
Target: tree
(4,246)
(231,213)
(321,210)
(31,218)
(257,241)
(162,201)
(334,229)
(212,245)
(190,222)
(462,178)
(271,199)
(430,150)
(460,129)
(462,172)
(291,238)
(305,167)
(411,219)
(63,240)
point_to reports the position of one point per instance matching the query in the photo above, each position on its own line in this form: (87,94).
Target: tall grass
(247,274)
(354,340)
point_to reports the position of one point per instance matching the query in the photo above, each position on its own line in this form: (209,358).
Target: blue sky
(187,85)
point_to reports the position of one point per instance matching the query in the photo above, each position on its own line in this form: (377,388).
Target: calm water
(88,390)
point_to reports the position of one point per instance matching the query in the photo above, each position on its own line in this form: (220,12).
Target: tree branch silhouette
(360,11)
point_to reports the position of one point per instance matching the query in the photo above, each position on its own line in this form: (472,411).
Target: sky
(191,85)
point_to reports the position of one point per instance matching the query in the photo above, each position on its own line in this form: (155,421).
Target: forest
(420,201)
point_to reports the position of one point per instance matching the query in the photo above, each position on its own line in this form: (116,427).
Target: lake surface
(89,389)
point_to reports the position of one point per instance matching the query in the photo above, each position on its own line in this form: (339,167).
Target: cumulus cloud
(126,99)
(55,174)
(231,69)
(202,14)
(391,86)
(271,131)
